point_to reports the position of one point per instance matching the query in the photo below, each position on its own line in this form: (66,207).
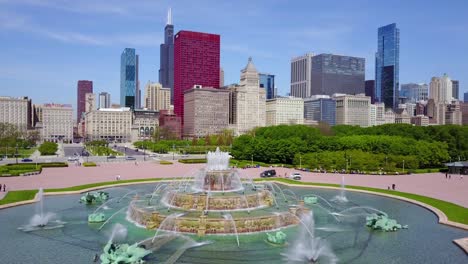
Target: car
(111,157)
(153,155)
(26,160)
(268,173)
(73,158)
(130,158)
(295,176)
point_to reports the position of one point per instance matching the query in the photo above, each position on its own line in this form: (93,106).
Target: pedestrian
(388,187)
(4,187)
(393,186)
(450,176)
(446,175)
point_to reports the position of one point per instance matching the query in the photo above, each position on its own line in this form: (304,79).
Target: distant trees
(48,148)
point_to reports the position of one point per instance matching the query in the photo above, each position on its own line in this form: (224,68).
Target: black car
(268,173)
(26,160)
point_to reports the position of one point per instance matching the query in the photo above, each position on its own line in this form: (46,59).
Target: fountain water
(229,218)
(127,194)
(112,216)
(341,213)
(341,198)
(163,225)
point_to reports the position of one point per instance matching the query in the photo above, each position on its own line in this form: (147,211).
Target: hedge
(192,161)
(89,164)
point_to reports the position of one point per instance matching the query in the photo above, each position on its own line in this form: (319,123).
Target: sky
(46,46)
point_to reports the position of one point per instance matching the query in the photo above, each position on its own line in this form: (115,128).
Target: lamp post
(173,151)
(16,153)
(144,153)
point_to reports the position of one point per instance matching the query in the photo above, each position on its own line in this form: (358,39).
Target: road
(128,151)
(70,149)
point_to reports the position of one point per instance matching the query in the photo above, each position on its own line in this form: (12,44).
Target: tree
(48,148)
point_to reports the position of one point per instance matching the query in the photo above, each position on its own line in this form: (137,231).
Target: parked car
(295,176)
(130,158)
(75,158)
(153,155)
(268,173)
(26,160)
(111,157)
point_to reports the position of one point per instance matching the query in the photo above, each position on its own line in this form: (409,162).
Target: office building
(337,74)
(145,123)
(156,97)
(465,97)
(455,89)
(196,62)
(108,124)
(170,125)
(83,88)
(464,111)
(267,82)
(206,111)
(453,114)
(247,101)
(104,100)
(221,77)
(284,111)
(420,120)
(441,89)
(369,90)
(387,65)
(353,110)
(301,70)
(16,111)
(402,116)
(436,112)
(166,58)
(320,108)
(57,123)
(415,92)
(129,89)
(90,102)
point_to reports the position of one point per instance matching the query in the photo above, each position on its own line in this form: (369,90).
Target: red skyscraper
(83,88)
(196,62)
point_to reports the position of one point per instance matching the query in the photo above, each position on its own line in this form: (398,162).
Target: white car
(73,158)
(295,176)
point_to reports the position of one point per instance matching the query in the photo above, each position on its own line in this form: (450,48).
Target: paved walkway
(431,184)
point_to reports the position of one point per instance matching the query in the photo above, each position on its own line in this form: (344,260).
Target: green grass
(431,170)
(89,164)
(165,162)
(192,161)
(18,196)
(17,169)
(102,151)
(455,213)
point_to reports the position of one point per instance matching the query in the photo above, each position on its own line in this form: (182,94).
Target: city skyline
(77,51)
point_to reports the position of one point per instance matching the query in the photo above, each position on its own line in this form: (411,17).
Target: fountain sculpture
(381,221)
(94,197)
(122,253)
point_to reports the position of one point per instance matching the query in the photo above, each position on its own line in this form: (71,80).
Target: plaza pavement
(430,184)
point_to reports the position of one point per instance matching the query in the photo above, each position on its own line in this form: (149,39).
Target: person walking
(393,186)
(446,175)
(4,187)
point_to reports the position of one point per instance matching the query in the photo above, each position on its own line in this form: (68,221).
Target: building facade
(156,97)
(16,111)
(415,92)
(456,89)
(104,100)
(453,114)
(57,123)
(171,123)
(206,111)
(464,111)
(420,120)
(369,89)
(247,101)
(320,109)
(267,82)
(301,71)
(196,62)
(353,110)
(129,79)
(90,105)
(441,89)
(166,58)
(337,74)
(284,111)
(145,123)
(465,97)
(109,124)
(83,87)
(387,65)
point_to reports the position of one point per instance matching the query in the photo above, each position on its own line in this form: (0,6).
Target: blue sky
(48,45)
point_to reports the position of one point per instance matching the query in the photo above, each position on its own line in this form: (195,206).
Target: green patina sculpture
(382,222)
(310,199)
(123,254)
(94,197)
(96,218)
(278,238)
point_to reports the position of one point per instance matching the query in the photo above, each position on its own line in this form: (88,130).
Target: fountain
(41,220)
(382,222)
(341,198)
(94,197)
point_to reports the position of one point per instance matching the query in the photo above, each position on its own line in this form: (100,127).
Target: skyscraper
(166,58)
(387,65)
(337,74)
(301,69)
(455,89)
(369,90)
(83,88)
(267,81)
(104,100)
(441,89)
(415,92)
(129,78)
(465,97)
(320,108)
(196,62)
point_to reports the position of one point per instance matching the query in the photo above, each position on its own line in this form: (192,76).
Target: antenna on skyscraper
(169,16)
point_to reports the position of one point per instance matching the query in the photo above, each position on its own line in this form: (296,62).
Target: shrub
(192,161)
(48,148)
(89,164)
(165,162)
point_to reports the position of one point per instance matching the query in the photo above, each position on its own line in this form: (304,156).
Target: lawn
(18,196)
(102,151)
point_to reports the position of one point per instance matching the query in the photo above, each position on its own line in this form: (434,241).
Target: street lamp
(16,153)
(173,151)
(144,153)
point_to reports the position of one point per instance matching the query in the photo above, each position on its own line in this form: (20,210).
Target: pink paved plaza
(432,184)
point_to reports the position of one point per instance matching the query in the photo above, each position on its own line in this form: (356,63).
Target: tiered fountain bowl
(201,206)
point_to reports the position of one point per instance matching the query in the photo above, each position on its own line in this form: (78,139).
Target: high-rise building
(453,114)
(267,81)
(196,62)
(83,88)
(104,100)
(137,88)
(112,125)
(16,111)
(320,108)
(206,111)
(353,110)
(415,92)
(129,89)
(284,111)
(455,89)
(166,58)
(90,102)
(221,77)
(464,111)
(369,90)
(57,123)
(156,97)
(247,101)
(441,89)
(170,125)
(301,70)
(387,65)
(337,74)
(465,97)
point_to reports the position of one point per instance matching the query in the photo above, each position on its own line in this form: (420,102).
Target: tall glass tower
(387,65)
(166,58)
(267,81)
(128,78)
